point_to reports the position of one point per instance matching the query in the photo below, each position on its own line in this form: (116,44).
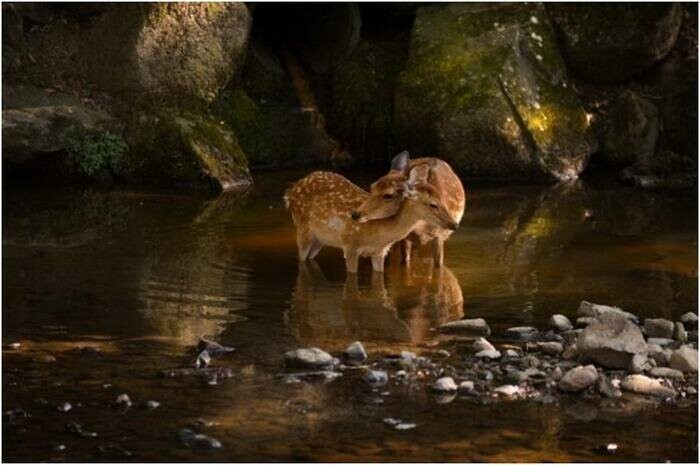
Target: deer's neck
(396,227)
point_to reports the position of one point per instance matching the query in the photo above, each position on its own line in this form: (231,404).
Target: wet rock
(77,429)
(64,407)
(197,440)
(44,358)
(203,360)
(550,348)
(59,448)
(608,449)
(324,376)
(308,358)
(679,333)
(588,309)
(607,388)
(212,348)
(665,372)
(689,319)
(612,341)
(560,323)
(14,345)
(658,327)
(523,333)
(578,378)
(355,352)
(476,326)
(660,341)
(508,390)
(512,353)
(466,387)
(641,384)
(15,416)
(444,384)
(375,377)
(113,450)
(482,344)
(489,354)
(123,400)
(152,404)
(399,424)
(684,359)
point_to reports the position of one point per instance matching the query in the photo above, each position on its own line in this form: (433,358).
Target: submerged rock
(658,328)
(644,385)
(213,348)
(607,388)
(508,390)
(560,323)
(203,360)
(308,358)
(578,378)
(376,377)
(198,441)
(445,384)
(611,341)
(476,326)
(684,359)
(123,400)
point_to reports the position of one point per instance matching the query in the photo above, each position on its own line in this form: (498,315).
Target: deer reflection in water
(413,300)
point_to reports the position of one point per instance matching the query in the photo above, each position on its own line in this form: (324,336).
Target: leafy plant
(92,153)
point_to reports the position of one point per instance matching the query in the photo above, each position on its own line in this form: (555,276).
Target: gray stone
(684,359)
(607,388)
(213,348)
(482,344)
(560,323)
(690,319)
(644,385)
(611,342)
(477,326)
(376,377)
(444,384)
(578,378)
(589,309)
(64,407)
(198,441)
(679,333)
(512,353)
(522,333)
(355,352)
(639,363)
(490,354)
(508,390)
(658,327)
(466,387)
(308,358)
(584,321)
(664,372)
(557,373)
(123,400)
(550,348)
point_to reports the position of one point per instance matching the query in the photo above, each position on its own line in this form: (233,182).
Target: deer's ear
(400,162)
(419,174)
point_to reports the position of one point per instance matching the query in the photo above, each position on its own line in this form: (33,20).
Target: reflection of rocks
(331,315)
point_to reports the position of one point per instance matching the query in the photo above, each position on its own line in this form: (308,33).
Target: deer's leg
(406,247)
(378,262)
(315,248)
(304,243)
(351,258)
(438,251)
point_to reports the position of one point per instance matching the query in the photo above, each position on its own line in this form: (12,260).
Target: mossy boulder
(181,149)
(485,88)
(632,132)
(612,42)
(166,52)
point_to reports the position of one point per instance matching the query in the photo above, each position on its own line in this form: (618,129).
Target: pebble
(399,424)
(684,359)
(76,428)
(689,319)
(325,376)
(14,345)
(123,400)
(45,358)
(444,384)
(578,378)
(522,333)
(308,358)
(644,385)
(151,404)
(355,352)
(550,348)
(679,333)
(482,344)
(64,407)
(59,448)
(466,387)
(512,353)
(664,372)
(508,390)
(658,327)
(560,323)
(376,377)
(203,360)
(490,354)
(197,440)
(470,325)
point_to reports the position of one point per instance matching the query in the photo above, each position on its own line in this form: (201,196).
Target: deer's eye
(389,196)
(434,206)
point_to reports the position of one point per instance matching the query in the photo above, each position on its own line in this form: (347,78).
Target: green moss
(95,152)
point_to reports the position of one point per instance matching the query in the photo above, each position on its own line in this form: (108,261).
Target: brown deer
(324,204)
(383,202)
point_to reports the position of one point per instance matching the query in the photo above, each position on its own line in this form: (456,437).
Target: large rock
(612,341)
(615,41)
(175,52)
(589,309)
(632,132)
(684,359)
(644,385)
(313,357)
(485,87)
(475,326)
(658,327)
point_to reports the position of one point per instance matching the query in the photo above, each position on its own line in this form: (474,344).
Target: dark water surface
(142,276)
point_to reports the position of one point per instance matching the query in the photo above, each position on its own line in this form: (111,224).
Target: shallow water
(142,276)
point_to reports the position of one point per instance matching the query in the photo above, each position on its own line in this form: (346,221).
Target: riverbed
(105,289)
